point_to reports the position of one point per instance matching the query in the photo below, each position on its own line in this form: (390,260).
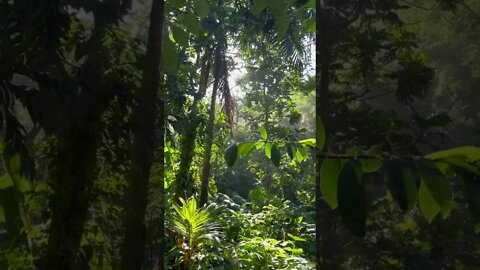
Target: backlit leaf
(329,173)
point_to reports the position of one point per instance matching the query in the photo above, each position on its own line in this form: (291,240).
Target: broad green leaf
(471,153)
(370,165)
(259,6)
(291,150)
(275,155)
(259,145)
(179,3)
(263,132)
(231,154)
(5,181)
(180,36)
(301,153)
(298,156)
(309,142)
(268,150)
(402,184)
(427,204)
(296,238)
(282,25)
(329,173)
(170,56)
(277,7)
(320,134)
(191,22)
(310,4)
(460,163)
(246,148)
(352,200)
(440,190)
(202,8)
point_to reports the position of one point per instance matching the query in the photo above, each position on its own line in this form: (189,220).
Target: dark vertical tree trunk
(325,234)
(142,148)
(75,163)
(73,177)
(210,127)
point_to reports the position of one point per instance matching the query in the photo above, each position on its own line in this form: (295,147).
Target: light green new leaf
(309,142)
(268,150)
(329,172)
(301,153)
(202,8)
(259,145)
(246,148)
(428,206)
(263,132)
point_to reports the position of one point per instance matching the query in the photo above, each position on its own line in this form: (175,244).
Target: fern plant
(194,229)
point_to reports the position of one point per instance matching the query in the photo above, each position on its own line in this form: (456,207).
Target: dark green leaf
(231,154)
(351,199)
(191,22)
(259,6)
(202,8)
(275,155)
(180,36)
(291,150)
(472,192)
(402,184)
(170,56)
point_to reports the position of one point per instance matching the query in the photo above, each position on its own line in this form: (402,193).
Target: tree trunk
(73,178)
(142,148)
(324,229)
(183,183)
(210,127)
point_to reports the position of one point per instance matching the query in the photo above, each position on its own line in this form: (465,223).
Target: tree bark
(210,127)
(324,229)
(142,148)
(183,183)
